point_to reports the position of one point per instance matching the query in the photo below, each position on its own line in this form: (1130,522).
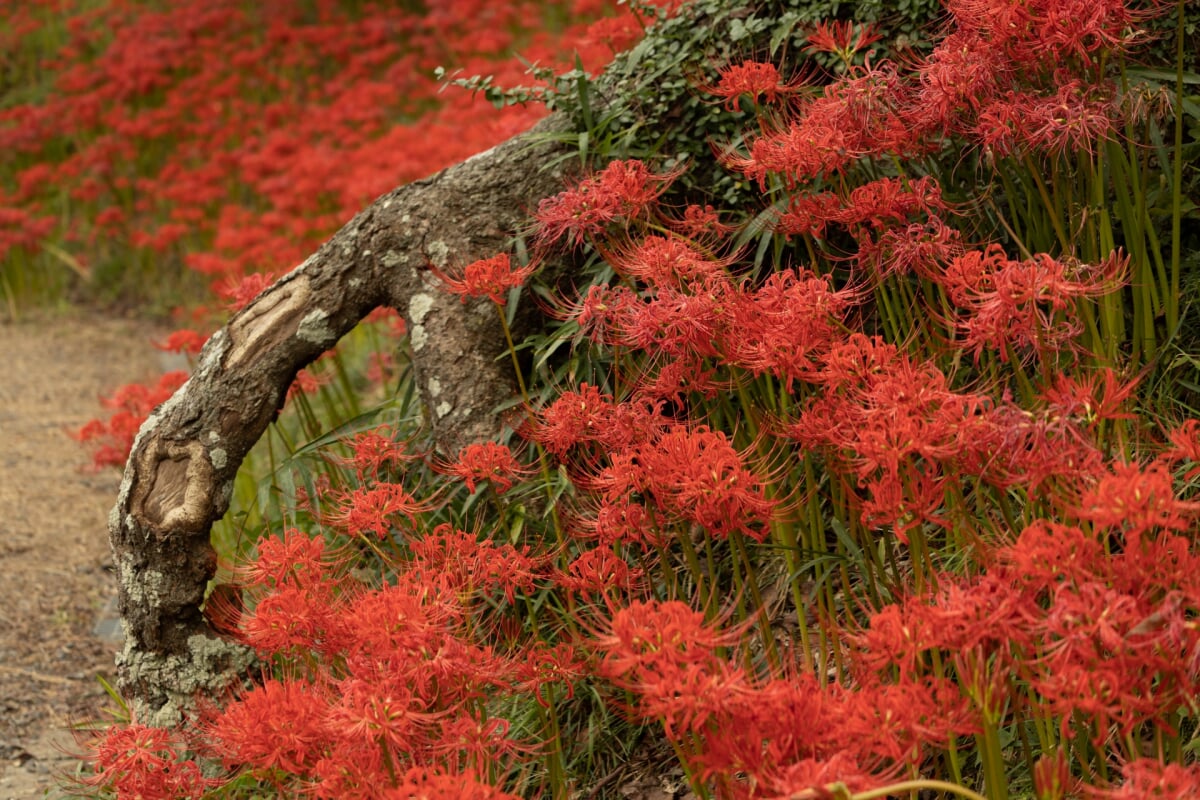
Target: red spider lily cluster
(229,139)
(488,277)
(112,439)
(875,516)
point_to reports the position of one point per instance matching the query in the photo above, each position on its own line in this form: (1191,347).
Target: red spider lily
(818,778)
(676,323)
(842,38)
(306,383)
(1099,637)
(700,222)
(391,627)
(624,191)
(882,410)
(667,654)
(619,520)
(432,784)
(112,439)
(295,559)
(784,326)
(1149,777)
(1185,446)
(920,248)
(1100,663)
(1046,33)
(587,416)
(466,740)
(904,433)
(697,476)
(598,311)
(879,204)
(779,730)
(906,502)
(459,670)
(378,714)
(238,292)
(289,619)
(1074,119)
(376,449)
(799,154)
(673,380)
(886,201)
(969,274)
(963,73)
(1135,500)
(542,665)
(854,118)
(755,79)
(1030,305)
(486,461)
(1046,550)
(135,760)
(350,769)
(573,418)
(666,261)
(224,608)
(1052,778)
(808,214)
(689,698)
(489,277)
(376,509)
(600,571)
(895,721)
(19,228)
(413,633)
(276,725)
(381,365)
(184,341)
(464,563)
(1093,398)
(777,724)
(988,616)
(657,637)
(1018,447)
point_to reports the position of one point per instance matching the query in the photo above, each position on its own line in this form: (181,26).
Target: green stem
(993,761)
(739,544)
(1172,299)
(693,562)
(543,462)
(1050,206)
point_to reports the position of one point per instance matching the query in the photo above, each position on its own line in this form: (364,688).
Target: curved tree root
(179,477)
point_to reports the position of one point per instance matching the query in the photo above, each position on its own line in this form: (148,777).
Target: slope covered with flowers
(877,488)
(230,138)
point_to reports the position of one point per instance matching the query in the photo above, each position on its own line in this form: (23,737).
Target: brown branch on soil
(179,477)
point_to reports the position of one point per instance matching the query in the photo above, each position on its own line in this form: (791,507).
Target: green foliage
(646,103)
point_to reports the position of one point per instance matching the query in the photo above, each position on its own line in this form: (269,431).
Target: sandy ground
(55,579)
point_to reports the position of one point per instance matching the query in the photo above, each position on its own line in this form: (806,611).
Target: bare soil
(55,579)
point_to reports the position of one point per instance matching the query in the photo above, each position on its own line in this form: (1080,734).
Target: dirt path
(54,561)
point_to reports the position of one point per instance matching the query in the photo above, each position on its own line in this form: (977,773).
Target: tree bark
(179,477)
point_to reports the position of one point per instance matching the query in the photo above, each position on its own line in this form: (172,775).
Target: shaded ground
(54,561)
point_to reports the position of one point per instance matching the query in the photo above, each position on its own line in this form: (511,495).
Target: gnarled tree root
(179,477)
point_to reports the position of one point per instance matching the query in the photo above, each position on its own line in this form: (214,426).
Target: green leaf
(1161,75)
